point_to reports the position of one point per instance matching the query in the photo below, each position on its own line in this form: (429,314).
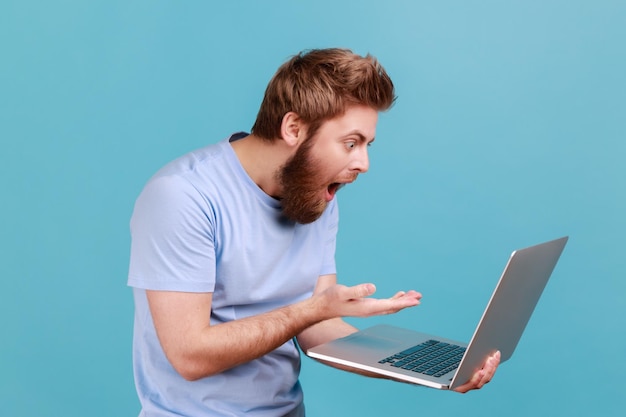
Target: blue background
(508,130)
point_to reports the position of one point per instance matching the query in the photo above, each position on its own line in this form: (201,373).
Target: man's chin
(305,215)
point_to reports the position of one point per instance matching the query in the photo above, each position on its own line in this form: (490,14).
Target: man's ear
(292,129)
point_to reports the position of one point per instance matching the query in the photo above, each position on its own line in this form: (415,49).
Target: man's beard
(302,185)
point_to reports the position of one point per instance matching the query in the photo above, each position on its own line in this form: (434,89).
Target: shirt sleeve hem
(171,286)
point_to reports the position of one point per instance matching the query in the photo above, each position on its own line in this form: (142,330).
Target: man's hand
(335,301)
(341,301)
(482,376)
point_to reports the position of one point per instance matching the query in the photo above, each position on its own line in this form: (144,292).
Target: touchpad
(368,341)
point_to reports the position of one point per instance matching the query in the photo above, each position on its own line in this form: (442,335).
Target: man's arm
(336,328)
(196,349)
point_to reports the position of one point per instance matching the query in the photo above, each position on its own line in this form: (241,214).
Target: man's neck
(261,159)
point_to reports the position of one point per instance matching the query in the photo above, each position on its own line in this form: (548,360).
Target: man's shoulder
(190,163)
(213,162)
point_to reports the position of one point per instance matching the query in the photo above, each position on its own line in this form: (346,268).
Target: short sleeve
(172,238)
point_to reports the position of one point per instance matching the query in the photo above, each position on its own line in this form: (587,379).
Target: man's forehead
(359,121)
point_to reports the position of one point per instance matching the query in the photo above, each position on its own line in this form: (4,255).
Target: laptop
(443,363)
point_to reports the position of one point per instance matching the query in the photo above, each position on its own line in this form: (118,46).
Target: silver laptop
(443,363)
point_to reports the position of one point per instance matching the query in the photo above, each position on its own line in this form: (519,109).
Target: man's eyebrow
(361,136)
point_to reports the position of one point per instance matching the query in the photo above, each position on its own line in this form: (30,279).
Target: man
(232,255)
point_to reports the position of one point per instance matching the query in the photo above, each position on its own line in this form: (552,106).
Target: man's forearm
(223,346)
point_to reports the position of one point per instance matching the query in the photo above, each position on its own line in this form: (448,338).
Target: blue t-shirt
(202,225)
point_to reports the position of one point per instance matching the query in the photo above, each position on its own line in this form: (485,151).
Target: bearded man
(233,248)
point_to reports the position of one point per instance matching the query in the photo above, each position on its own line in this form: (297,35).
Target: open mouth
(332,190)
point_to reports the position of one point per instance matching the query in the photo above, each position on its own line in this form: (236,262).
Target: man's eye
(350,145)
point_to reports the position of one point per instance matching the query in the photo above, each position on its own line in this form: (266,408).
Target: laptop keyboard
(430,358)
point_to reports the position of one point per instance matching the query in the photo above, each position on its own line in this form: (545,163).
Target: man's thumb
(364,290)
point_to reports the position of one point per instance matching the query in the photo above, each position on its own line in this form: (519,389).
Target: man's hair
(320,84)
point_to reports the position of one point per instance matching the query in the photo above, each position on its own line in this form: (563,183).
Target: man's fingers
(492,365)
(365,290)
(398,295)
(358,302)
(483,376)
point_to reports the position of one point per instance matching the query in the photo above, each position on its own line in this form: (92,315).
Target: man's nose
(361,161)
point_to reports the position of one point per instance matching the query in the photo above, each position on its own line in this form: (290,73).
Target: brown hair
(318,85)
